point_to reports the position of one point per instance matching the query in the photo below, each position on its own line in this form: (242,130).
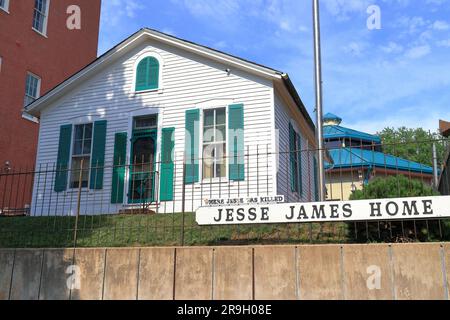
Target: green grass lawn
(166,230)
(155,230)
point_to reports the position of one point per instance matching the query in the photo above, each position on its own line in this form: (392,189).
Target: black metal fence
(132,211)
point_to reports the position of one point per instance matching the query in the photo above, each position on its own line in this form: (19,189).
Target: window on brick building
(40,15)
(4,4)
(32,88)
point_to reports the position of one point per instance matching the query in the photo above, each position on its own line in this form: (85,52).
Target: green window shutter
(153,72)
(167,164)
(191,146)
(62,163)
(316,182)
(98,155)
(292,148)
(119,168)
(142,75)
(236,142)
(147,74)
(299,164)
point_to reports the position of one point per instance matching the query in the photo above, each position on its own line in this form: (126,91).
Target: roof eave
(36,107)
(214,53)
(293,92)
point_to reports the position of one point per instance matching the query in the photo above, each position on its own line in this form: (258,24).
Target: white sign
(360,210)
(243,200)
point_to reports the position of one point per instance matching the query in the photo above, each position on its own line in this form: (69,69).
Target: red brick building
(37,52)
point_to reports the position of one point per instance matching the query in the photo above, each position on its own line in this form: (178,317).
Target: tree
(399,187)
(413,144)
(393,187)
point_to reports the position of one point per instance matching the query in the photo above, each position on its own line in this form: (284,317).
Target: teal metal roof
(338,132)
(352,158)
(331,117)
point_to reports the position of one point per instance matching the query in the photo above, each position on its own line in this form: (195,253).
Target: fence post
(435,168)
(80,178)
(183,201)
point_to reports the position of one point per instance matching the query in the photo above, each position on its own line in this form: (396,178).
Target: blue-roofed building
(357,157)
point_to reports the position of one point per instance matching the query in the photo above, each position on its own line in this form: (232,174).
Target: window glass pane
(40,13)
(88,131)
(82,139)
(333,144)
(221,161)
(146,122)
(31,86)
(79,132)
(208,118)
(2,3)
(31,89)
(208,162)
(214,146)
(87,146)
(37,21)
(220,116)
(38,4)
(41,6)
(77,147)
(208,153)
(28,85)
(75,172)
(220,134)
(208,134)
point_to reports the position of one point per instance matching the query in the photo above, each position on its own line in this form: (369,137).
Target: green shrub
(393,187)
(398,187)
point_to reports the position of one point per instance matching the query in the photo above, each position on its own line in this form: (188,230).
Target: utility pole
(319,99)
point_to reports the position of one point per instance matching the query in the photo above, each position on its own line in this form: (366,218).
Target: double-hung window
(32,88)
(40,15)
(81,152)
(4,4)
(214,143)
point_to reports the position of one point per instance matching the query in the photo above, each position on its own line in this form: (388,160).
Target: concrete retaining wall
(400,271)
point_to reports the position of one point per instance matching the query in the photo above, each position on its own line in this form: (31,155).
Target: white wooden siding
(187,80)
(282,118)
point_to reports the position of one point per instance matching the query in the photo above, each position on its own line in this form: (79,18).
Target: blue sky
(396,76)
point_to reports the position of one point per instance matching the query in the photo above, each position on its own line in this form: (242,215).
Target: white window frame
(45,23)
(72,142)
(224,179)
(38,89)
(142,56)
(5,6)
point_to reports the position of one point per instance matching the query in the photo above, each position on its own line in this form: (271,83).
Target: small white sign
(360,210)
(214,202)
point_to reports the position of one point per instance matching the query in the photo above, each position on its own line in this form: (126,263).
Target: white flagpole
(319,112)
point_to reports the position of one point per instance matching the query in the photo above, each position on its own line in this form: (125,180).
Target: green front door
(143,166)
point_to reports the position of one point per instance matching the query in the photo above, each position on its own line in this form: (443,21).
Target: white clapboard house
(154,102)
